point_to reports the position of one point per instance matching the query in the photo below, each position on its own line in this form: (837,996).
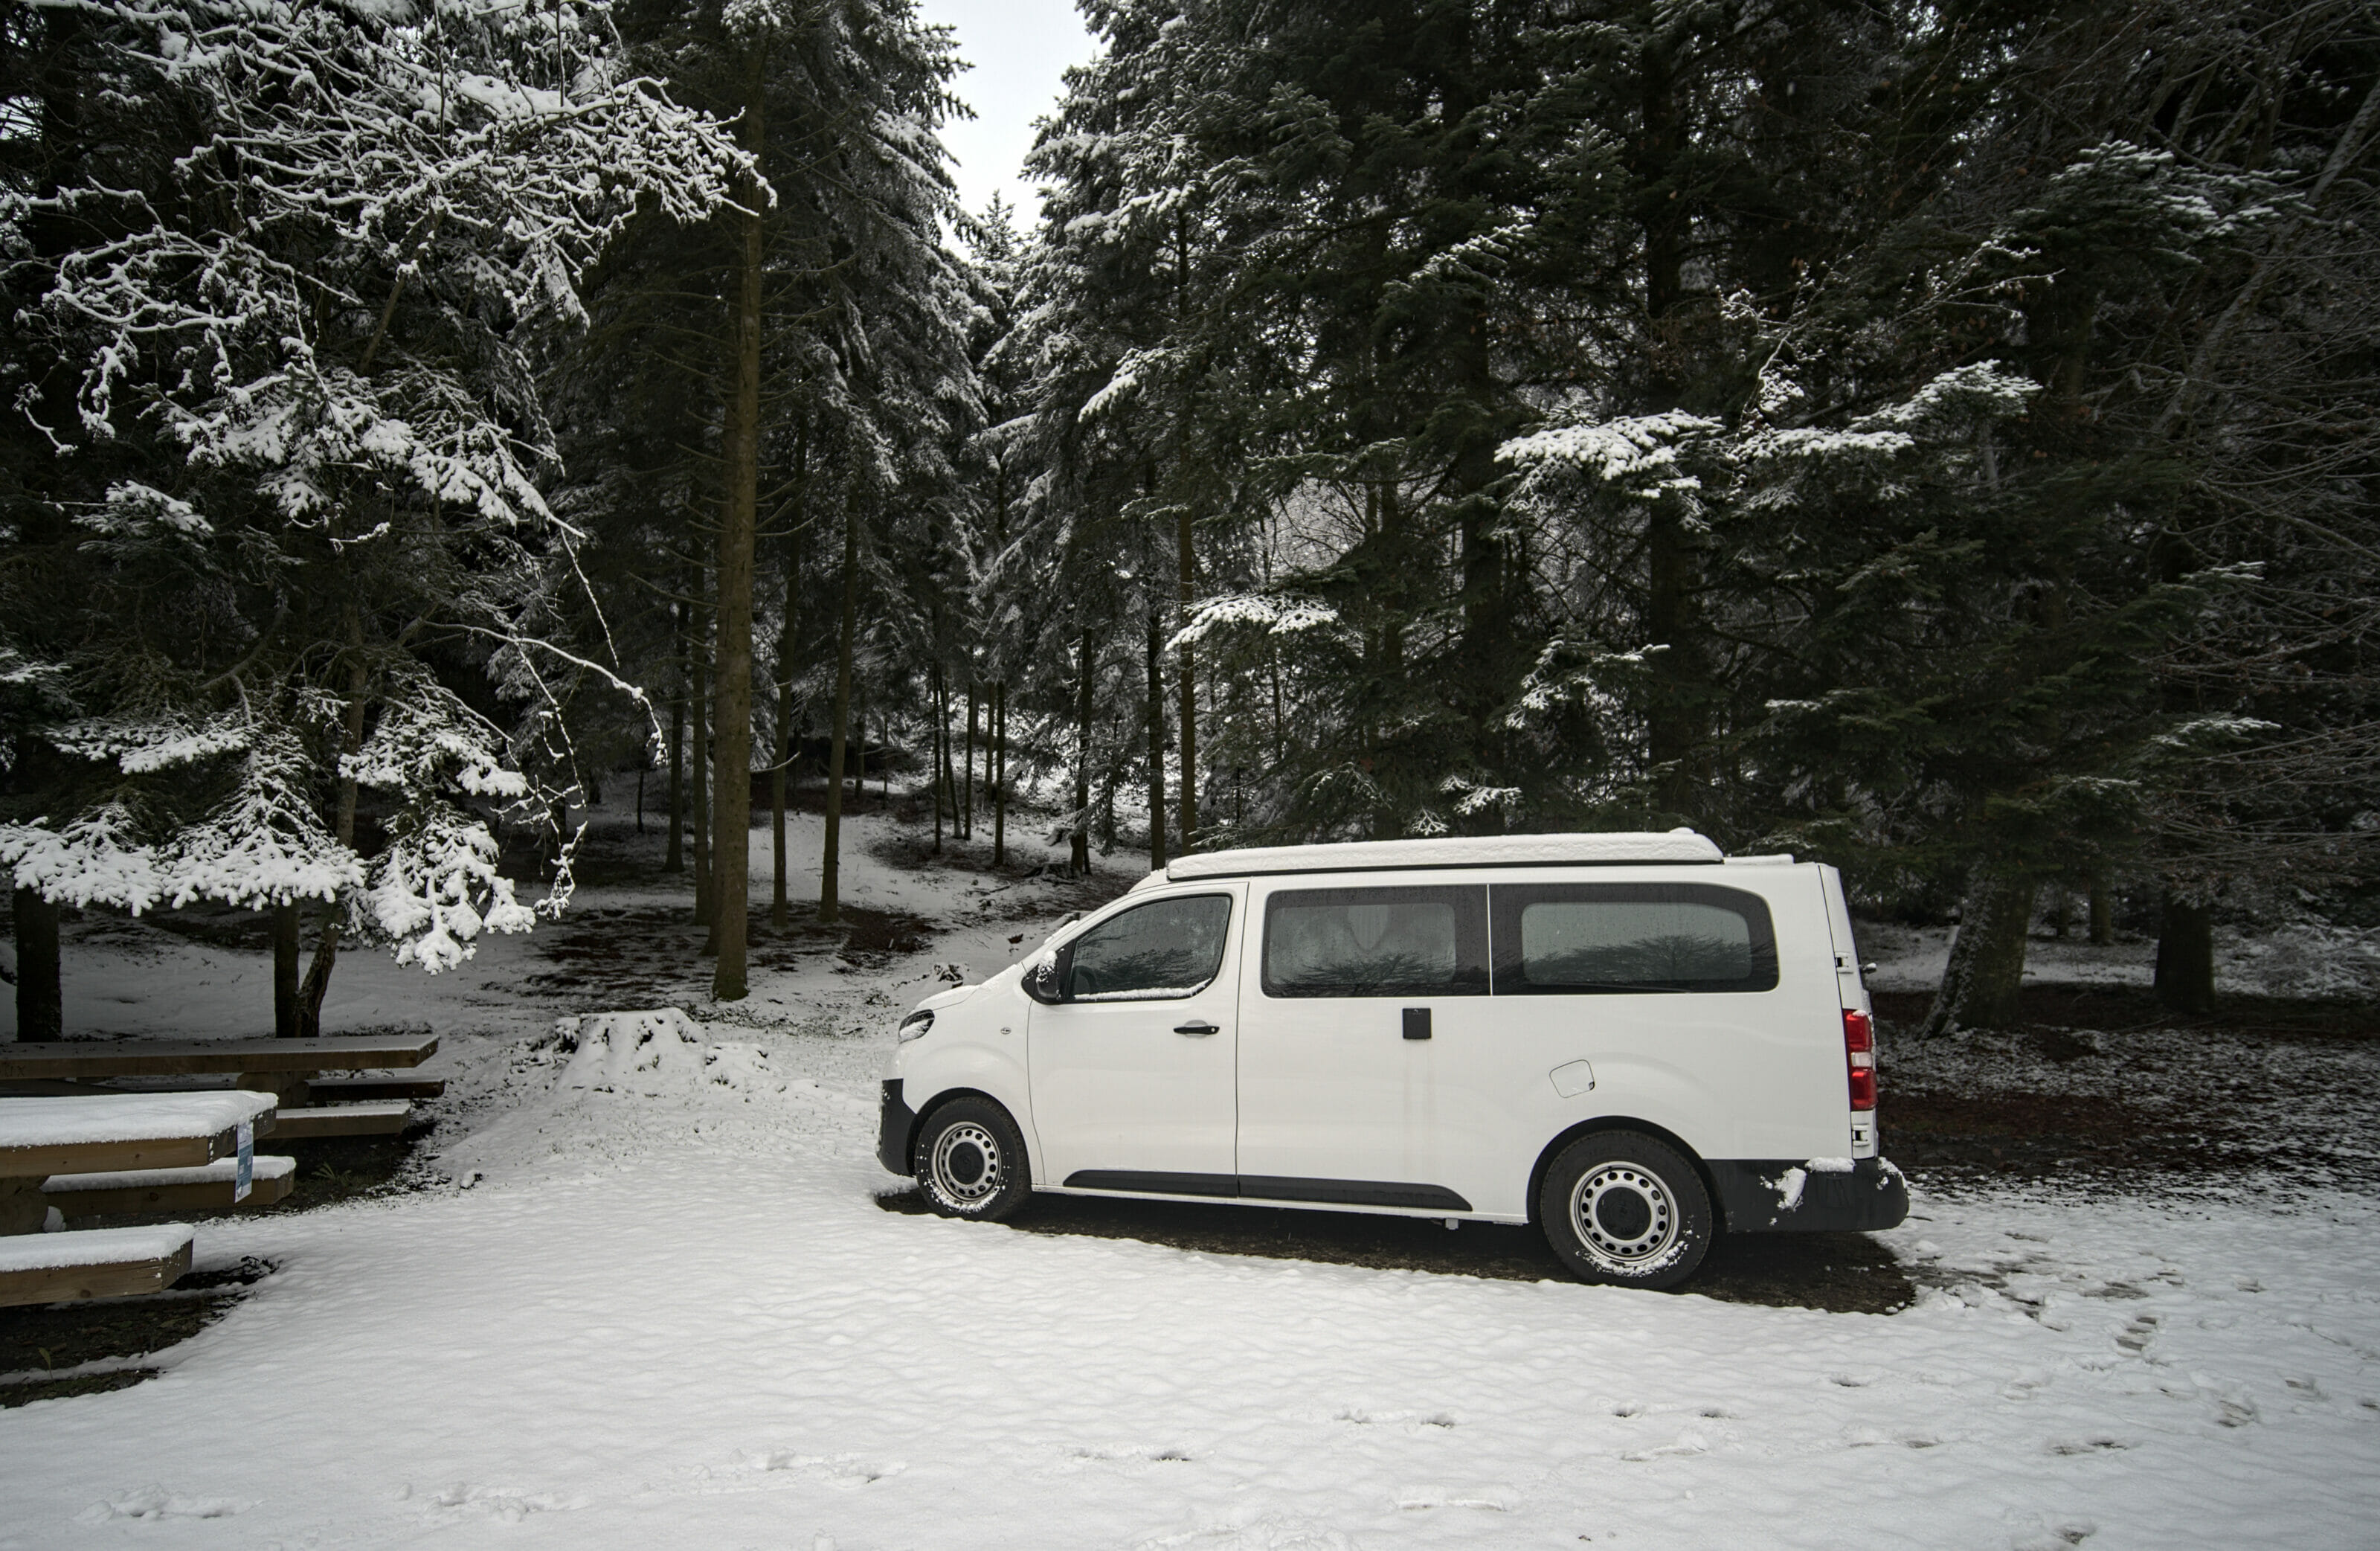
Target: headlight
(914,1026)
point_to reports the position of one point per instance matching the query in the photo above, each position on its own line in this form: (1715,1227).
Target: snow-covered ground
(657,1304)
(2305,961)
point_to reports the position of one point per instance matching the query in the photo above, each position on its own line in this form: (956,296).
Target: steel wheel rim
(952,1179)
(1601,1215)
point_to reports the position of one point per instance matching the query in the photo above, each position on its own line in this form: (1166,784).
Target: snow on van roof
(1483,850)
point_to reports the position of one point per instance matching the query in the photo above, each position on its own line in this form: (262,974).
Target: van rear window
(1585,939)
(1377,942)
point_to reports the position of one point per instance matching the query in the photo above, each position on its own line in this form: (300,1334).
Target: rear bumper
(896,1128)
(1782,1195)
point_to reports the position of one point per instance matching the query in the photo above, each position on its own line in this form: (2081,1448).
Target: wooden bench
(347,1119)
(285,1067)
(209,1188)
(93,1263)
(343,1090)
(110,1134)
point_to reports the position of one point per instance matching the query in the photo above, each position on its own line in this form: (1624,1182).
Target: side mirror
(1045,982)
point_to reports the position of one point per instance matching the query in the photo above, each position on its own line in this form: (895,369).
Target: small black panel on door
(1416,1023)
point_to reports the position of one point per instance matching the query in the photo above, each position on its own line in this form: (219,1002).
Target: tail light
(1859,1049)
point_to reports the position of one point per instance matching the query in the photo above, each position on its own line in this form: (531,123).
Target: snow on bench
(93,1263)
(81,1133)
(209,1188)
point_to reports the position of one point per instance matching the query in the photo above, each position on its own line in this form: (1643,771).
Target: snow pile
(655,1053)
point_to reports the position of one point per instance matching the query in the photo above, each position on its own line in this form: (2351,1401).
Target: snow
(1488,850)
(85,1120)
(91,1246)
(656,1302)
(2309,959)
(223,1171)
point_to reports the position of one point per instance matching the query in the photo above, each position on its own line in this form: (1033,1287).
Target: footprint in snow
(849,1472)
(2086,1446)
(1420,1499)
(1688,1443)
(157,1503)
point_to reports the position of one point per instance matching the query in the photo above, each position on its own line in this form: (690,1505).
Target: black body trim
(1752,1193)
(896,1128)
(1352,1192)
(1259,1187)
(1154,1182)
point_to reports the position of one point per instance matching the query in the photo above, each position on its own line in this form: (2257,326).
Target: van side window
(1165,949)
(1377,942)
(1582,939)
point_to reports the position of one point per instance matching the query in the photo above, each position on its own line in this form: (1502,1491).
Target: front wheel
(971,1163)
(1626,1210)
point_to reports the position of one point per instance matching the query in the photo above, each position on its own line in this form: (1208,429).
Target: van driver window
(1585,938)
(1166,948)
(1376,942)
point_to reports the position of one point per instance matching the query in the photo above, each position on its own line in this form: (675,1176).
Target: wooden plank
(109,1157)
(115,1278)
(343,1090)
(144,1058)
(212,1195)
(347,1119)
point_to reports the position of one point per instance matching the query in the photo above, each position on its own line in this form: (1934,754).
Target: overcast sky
(1019,48)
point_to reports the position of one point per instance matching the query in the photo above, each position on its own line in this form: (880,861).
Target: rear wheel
(970,1161)
(1626,1210)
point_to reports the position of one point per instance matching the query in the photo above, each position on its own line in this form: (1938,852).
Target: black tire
(971,1162)
(1622,1209)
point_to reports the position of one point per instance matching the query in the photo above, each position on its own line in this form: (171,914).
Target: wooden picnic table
(143,1144)
(107,1133)
(83,1060)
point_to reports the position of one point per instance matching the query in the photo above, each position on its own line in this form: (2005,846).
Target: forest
(1938,439)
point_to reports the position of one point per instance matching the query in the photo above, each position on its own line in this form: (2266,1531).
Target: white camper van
(1632,1040)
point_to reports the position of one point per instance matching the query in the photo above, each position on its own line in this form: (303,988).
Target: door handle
(1198,1027)
(1416,1023)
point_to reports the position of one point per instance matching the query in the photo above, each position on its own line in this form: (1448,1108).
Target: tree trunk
(288,929)
(326,949)
(730,885)
(779,774)
(998,753)
(1079,857)
(674,858)
(966,798)
(1673,720)
(40,1001)
(2185,958)
(847,624)
(1186,566)
(2103,912)
(700,768)
(1155,745)
(859,750)
(936,747)
(1987,968)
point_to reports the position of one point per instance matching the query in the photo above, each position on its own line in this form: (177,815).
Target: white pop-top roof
(1481,850)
